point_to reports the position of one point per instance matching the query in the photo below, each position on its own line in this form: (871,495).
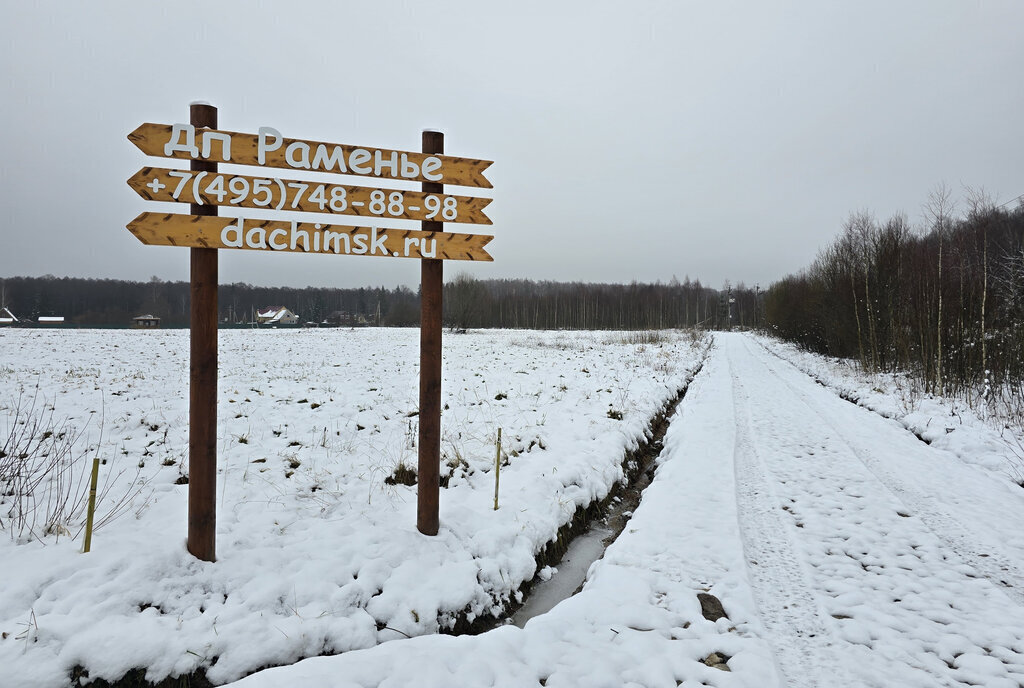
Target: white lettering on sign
(259,241)
(430,168)
(357,159)
(432,251)
(273,244)
(225,144)
(263,147)
(337,238)
(377,243)
(370,241)
(279,194)
(174,145)
(302,161)
(379,164)
(299,154)
(410,170)
(323,161)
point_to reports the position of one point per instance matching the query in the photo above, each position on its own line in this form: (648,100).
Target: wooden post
(202,435)
(431,281)
(91,512)
(497,468)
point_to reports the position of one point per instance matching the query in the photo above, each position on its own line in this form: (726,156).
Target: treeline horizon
(944,302)
(468,303)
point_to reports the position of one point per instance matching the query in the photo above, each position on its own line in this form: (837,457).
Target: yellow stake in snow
(92,504)
(497,469)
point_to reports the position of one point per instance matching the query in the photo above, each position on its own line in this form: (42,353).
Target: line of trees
(577,305)
(109,302)
(945,301)
(469,303)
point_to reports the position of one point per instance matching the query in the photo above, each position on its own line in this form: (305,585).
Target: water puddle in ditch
(567,578)
(571,572)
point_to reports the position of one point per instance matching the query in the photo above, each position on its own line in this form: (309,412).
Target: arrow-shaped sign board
(198,231)
(269,148)
(268,193)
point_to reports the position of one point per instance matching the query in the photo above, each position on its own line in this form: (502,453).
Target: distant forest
(468,303)
(945,303)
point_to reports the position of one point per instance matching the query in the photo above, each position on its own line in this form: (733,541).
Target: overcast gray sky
(632,141)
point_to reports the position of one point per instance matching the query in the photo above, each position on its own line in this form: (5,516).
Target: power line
(1010,201)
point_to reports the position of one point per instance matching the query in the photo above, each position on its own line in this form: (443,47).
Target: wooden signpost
(202,393)
(428,468)
(204,233)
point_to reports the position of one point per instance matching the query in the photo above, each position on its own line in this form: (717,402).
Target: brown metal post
(202,434)
(431,279)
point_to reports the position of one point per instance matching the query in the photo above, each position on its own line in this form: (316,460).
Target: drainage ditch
(582,540)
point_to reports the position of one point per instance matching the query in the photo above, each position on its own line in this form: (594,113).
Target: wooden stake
(431,281)
(202,437)
(497,469)
(92,504)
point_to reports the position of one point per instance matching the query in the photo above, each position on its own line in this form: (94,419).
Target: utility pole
(730,302)
(757,303)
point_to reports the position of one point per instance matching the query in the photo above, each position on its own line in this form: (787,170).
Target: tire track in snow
(962,541)
(798,631)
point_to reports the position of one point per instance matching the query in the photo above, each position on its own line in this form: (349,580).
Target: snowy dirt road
(874,559)
(846,552)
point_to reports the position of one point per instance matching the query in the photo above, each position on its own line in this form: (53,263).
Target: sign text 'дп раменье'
(269,148)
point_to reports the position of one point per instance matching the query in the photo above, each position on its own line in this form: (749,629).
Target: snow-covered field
(844,549)
(316,552)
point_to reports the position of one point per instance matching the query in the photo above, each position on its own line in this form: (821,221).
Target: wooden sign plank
(269,149)
(164,229)
(241,191)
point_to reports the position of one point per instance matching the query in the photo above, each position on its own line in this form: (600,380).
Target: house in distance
(145,322)
(276,315)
